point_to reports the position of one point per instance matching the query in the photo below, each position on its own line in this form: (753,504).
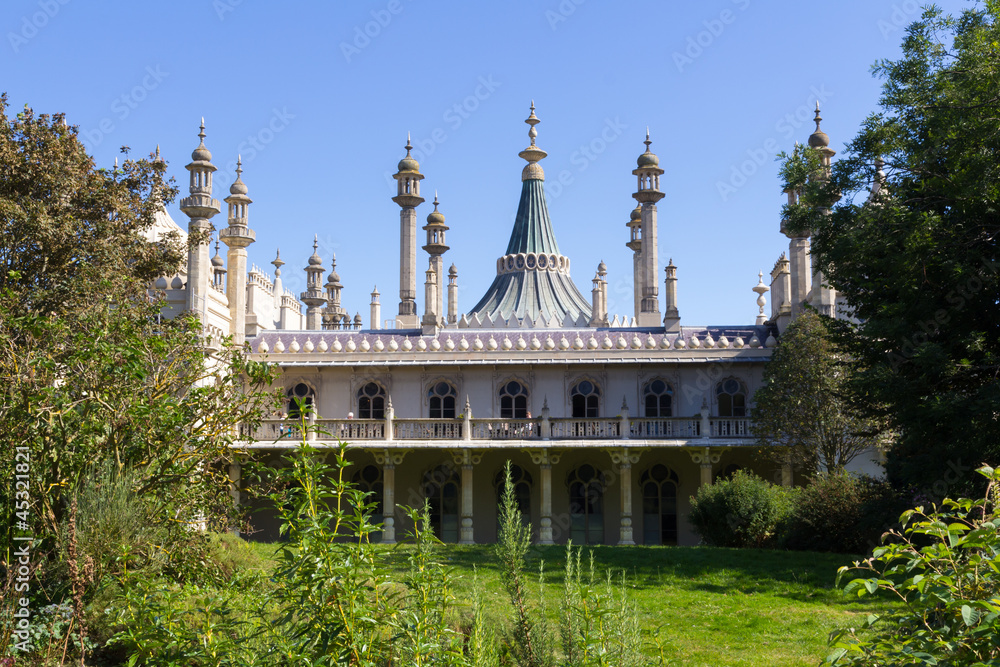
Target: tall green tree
(90,376)
(803,406)
(912,246)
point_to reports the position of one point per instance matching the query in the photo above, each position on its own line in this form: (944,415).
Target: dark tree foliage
(914,251)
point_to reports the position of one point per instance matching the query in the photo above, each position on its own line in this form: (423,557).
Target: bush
(943,566)
(742,511)
(841,513)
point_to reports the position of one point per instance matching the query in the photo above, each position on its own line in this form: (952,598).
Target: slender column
(801,272)
(786,475)
(452,295)
(388,502)
(706,457)
(467,459)
(624,459)
(389,459)
(235,477)
(545,459)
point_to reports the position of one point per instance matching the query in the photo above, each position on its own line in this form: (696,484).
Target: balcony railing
(603,428)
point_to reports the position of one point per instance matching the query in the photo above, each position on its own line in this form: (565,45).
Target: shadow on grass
(796,575)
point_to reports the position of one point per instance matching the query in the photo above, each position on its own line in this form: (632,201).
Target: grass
(708,606)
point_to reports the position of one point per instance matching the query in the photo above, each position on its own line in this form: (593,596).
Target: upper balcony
(507,433)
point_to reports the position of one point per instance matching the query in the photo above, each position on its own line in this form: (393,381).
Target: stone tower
(408,197)
(237,236)
(200,207)
(436,247)
(314,296)
(648,173)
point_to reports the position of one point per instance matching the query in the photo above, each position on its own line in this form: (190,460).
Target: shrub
(943,566)
(742,511)
(841,513)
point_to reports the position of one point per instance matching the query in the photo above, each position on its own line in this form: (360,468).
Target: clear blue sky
(319,98)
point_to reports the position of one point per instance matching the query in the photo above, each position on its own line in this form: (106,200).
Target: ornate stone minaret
(671,316)
(408,197)
(279,288)
(453,295)
(648,173)
(334,315)
(431,320)
(599,297)
(822,297)
(200,207)
(238,236)
(436,247)
(634,225)
(314,297)
(376,311)
(218,270)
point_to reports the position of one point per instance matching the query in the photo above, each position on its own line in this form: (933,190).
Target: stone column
(787,475)
(545,459)
(706,457)
(389,459)
(235,477)
(801,272)
(624,459)
(466,458)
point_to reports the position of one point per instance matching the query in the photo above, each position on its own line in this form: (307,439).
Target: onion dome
(333,277)
(238,187)
(201,153)
(314,259)
(453,271)
(602,268)
(818,139)
(647,159)
(408,163)
(636,215)
(357,320)
(217,259)
(435,217)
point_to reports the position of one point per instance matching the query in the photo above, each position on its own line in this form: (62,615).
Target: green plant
(943,567)
(741,511)
(842,513)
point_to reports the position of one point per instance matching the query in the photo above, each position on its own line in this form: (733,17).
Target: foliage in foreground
(943,566)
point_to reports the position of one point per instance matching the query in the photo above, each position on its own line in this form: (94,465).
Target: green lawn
(712,606)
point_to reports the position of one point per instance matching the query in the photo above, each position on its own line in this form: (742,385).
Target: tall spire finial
(201,132)
(435,200)
(532,153)
(647,141)
(239,165)
(818,118)
(315,243)
(409,145)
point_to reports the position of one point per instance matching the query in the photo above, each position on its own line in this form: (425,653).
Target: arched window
(731,395)
(441,397)
(513,401)
(658,399)
(586,505)
(299,399)
(368,480)
(521,480)
(659,505)
(585,397)
(441,487)
(371,401)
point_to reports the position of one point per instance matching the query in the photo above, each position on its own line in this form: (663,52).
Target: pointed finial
(409,146)
(201,132)
(216,246)
(156,157)
(647,141)
(239,165)
(435,201)
(315,242)
(532,153)
(818,118)
(277,262)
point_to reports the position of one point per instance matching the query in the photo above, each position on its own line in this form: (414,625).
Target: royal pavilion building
(610,426)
